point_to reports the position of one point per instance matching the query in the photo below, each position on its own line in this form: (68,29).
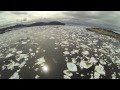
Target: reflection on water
(66,52)
(45,68)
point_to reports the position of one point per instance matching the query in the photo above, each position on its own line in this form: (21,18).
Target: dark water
(61,54)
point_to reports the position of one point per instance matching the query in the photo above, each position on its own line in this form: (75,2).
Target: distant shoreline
(6,29)
(105,32)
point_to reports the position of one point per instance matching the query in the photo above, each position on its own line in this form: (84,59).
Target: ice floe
(9,55)
(85,64)
(40,61)
(15,75)
(72,67)
(66,77)
(68,73)
(100,69)
(37,76)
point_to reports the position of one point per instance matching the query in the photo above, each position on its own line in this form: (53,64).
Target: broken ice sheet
(102,62)
(40,61)
(85,52)
(93,60)
(37,76)
(68,73)
(66,53)
(21,56)
(19,52)
(15,75)
(85,64)
(52,38)
(66,77)
(24,42)
(71,67)
(9,55)
(100,69)
(11,65)
(113,75)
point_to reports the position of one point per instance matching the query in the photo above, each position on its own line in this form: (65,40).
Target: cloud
(19,12)
(99,17)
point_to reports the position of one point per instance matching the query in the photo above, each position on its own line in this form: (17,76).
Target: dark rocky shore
(17,26)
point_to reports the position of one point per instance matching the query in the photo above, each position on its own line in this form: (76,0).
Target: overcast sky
(99,17)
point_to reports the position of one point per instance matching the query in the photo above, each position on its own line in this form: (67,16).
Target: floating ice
(36,69)
(68,73)
(9,55)
(72,67)
(56,48)
(74,60)
(92,60)
(11,65)
(66,77)
(37,51)
(15,75)
(66,53)
(40,61)
(102,62)
(85,52)
(96,75)
(22,64)
(52,38)
(21,56)
(100,69)
(37,76)
(19,52)
(24,42)
(113,75)
(85,64)
(32,54)
(30,50)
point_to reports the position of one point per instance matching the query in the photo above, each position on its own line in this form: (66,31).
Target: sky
(98,17)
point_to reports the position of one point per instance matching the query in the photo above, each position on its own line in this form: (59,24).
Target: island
(105,32)
(10,28)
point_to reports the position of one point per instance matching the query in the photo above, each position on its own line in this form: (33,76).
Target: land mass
(105,32)
(10,28)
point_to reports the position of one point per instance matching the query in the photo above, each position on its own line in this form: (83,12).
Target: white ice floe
(85,64)
(93,60)
(113,75)
(3,67)
(13,50)
(71,67)
(96,75)
(15,75)
(9,55)
(68,73)
(100,69)
(82,75)
(52,38)
(30,50)
(24,42)
(22,64)
(37,51)
(85,52)
(40,61)
(21,56)
(37,76)
(66,77)
(76,51)
(66,53)
(32,54)
(19,52)
(74,60)
(36,69)
(103,62)
(56,48)
(66,49)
